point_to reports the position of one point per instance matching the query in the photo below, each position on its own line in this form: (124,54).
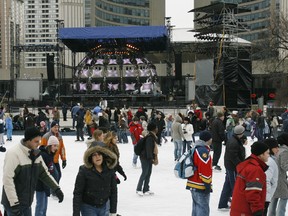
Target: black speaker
(178,66)
(50,67)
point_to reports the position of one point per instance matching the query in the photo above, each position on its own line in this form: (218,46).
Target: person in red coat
(250,188)
(135,129)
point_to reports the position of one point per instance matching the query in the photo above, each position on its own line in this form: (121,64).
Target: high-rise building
(257,19)
(124,12)
(11,33)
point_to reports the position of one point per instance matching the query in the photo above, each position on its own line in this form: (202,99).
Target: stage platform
(118,99)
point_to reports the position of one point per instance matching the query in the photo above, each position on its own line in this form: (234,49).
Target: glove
(59,195)
(64,163)
(258,213)
(124,176)
(184,140)
(15,210)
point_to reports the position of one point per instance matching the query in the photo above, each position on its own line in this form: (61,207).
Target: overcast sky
(178,11)
(181,20)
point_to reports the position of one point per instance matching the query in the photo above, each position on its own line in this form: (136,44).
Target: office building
(124,12)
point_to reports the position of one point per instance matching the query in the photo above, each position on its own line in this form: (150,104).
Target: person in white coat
(271,172)
(188,130)
(279,201)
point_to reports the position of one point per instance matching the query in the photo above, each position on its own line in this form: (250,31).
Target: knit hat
(205,136)
(239,129)
(54,123)
(259,111)
(258,148)
(53,140)
(272,143)
(283,139)
(151,126)
(31,133)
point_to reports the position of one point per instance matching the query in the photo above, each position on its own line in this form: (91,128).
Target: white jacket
(189,129)
(271,178)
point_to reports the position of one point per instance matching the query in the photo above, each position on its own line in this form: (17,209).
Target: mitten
(124,176)
(64,163)
(59,194)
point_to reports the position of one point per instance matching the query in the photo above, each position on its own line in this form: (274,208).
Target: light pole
(59,24)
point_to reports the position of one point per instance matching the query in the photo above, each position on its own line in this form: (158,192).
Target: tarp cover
(148,38)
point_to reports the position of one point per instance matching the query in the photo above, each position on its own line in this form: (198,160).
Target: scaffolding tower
(217,36)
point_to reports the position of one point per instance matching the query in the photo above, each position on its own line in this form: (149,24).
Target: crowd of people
(254,185)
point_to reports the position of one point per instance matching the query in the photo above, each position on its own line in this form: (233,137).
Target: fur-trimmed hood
(109,158)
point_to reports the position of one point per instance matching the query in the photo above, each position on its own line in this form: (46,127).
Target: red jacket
(202,178)
(135,130)
(250,187)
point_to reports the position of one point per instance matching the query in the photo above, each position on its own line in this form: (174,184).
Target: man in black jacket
(218,136)
(23,167)
(234,154)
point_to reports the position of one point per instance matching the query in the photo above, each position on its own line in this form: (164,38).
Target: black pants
(79,133)
(217,149)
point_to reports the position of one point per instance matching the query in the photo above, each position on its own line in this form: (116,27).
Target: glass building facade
(124,12)
(257,20)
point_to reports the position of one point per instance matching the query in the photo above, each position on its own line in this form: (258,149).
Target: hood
(200,143)
(178,119)
(109,158)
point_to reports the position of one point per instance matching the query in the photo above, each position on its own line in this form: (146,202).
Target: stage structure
(115,65)
(218,38)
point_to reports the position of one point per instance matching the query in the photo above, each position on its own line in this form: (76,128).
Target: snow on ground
(170,199)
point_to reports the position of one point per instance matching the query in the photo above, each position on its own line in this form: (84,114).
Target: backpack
(139,146)
(185,168)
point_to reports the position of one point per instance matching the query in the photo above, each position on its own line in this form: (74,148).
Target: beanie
(53,140)
(31,133)
(54,123)
(205,136)
(272,143)
(239,129)
(283,139)
(151,126)
(258,148)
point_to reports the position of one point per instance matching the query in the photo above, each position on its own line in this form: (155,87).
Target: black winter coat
(217,130)
(234,153)
(95,188)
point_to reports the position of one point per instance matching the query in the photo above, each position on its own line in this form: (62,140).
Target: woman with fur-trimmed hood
(96,184)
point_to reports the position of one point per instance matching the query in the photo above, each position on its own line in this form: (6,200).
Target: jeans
(41,203)
(200,203)
(186,145)
(217,149)
(135,157)
(122,136)
(168,128)
(145,175)
(88,210)
(178,145)
(9,134)
(227,189)
(26,211)
(279,210)
(229,134)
